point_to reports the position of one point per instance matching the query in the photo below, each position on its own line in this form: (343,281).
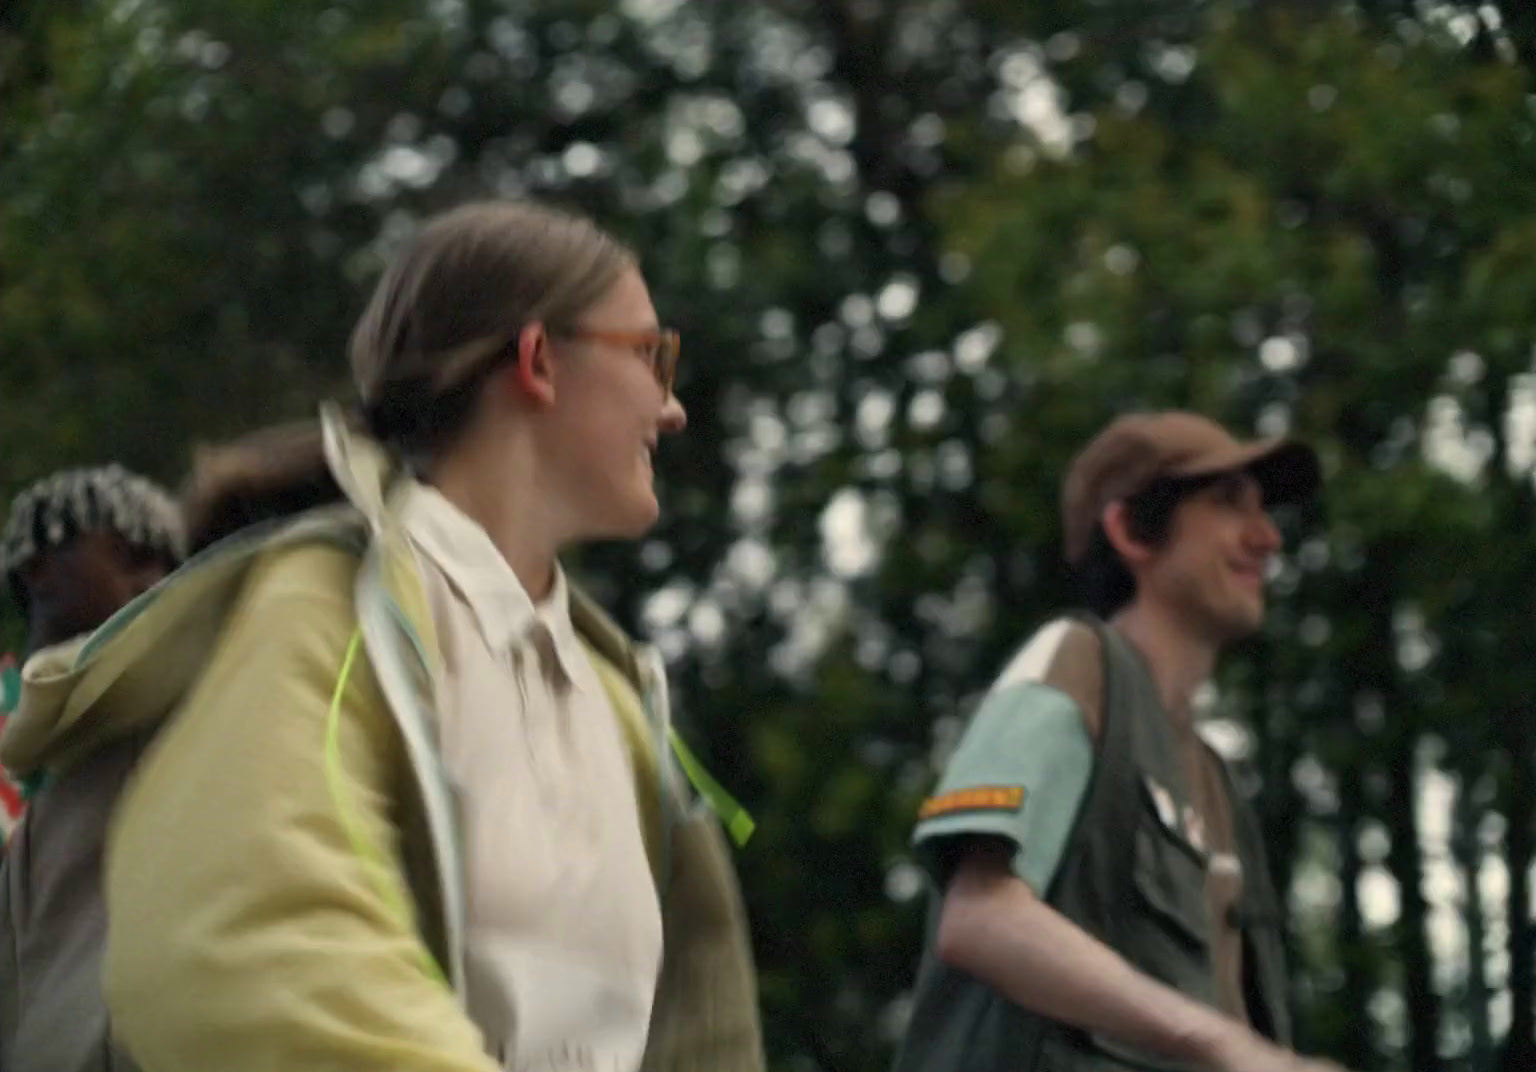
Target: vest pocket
(1169,875)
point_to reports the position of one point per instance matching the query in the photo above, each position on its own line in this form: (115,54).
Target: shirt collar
(503,611)
(556,615)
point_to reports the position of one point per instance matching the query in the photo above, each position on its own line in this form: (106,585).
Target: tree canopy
(919,251)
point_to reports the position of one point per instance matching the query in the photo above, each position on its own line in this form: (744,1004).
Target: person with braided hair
(80,544)
(77,547)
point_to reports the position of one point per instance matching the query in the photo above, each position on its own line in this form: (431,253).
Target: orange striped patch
(983,798)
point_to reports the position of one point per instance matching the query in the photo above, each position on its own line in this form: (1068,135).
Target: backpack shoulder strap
(1108,803)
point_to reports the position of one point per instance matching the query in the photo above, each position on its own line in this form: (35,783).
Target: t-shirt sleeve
(1024,762)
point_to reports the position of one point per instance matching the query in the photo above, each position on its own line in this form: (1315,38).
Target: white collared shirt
(563,937)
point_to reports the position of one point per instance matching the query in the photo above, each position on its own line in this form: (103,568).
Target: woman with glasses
(418,809)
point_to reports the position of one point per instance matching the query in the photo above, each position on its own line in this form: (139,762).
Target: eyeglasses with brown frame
(660,348)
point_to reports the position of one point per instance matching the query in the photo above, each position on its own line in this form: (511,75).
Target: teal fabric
(1026,736)
(10,686)
(10,696)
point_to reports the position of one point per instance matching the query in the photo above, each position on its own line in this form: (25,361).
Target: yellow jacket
(283,875)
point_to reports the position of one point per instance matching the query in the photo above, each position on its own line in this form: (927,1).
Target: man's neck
(1179,658)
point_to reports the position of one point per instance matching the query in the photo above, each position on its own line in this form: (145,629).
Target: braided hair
(57,509)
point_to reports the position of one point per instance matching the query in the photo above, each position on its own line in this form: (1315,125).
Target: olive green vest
(1147,903)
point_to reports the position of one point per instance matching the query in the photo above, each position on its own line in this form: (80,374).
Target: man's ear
(533,373)
(1117,529)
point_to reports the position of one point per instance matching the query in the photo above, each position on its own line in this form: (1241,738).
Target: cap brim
(1288,472)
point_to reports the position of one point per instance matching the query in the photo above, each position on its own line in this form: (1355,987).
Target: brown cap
(1140,449)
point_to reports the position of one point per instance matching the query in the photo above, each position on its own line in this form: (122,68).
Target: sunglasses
(660,349)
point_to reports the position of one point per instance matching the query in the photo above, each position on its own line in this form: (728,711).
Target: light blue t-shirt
(1022,767)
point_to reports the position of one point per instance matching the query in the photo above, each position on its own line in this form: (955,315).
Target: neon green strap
(385,877)
(737,822)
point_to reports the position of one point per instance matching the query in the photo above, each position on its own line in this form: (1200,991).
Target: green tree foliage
(919,251)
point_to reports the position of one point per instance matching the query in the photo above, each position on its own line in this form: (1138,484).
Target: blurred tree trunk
(1520,1045)
(1406,858)
(1469,860)
(1517,736)
(1407,863)
(1353,955)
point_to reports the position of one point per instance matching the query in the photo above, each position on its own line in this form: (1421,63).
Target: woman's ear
(533,374)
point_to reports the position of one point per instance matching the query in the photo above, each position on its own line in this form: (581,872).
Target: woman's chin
(630,520)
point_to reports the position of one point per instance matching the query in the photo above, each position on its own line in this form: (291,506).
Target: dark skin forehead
(73,588)
(87,558)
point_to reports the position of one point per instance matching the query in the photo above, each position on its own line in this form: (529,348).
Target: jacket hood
(130,674)
(35,722)
(134,669)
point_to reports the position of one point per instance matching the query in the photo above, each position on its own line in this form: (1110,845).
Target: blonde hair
(448,311)
(443,317)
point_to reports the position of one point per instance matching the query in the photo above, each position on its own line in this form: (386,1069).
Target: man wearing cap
(77,546)
(1103,899)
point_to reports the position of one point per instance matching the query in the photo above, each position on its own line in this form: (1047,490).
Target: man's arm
(995,928)
(997,830)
